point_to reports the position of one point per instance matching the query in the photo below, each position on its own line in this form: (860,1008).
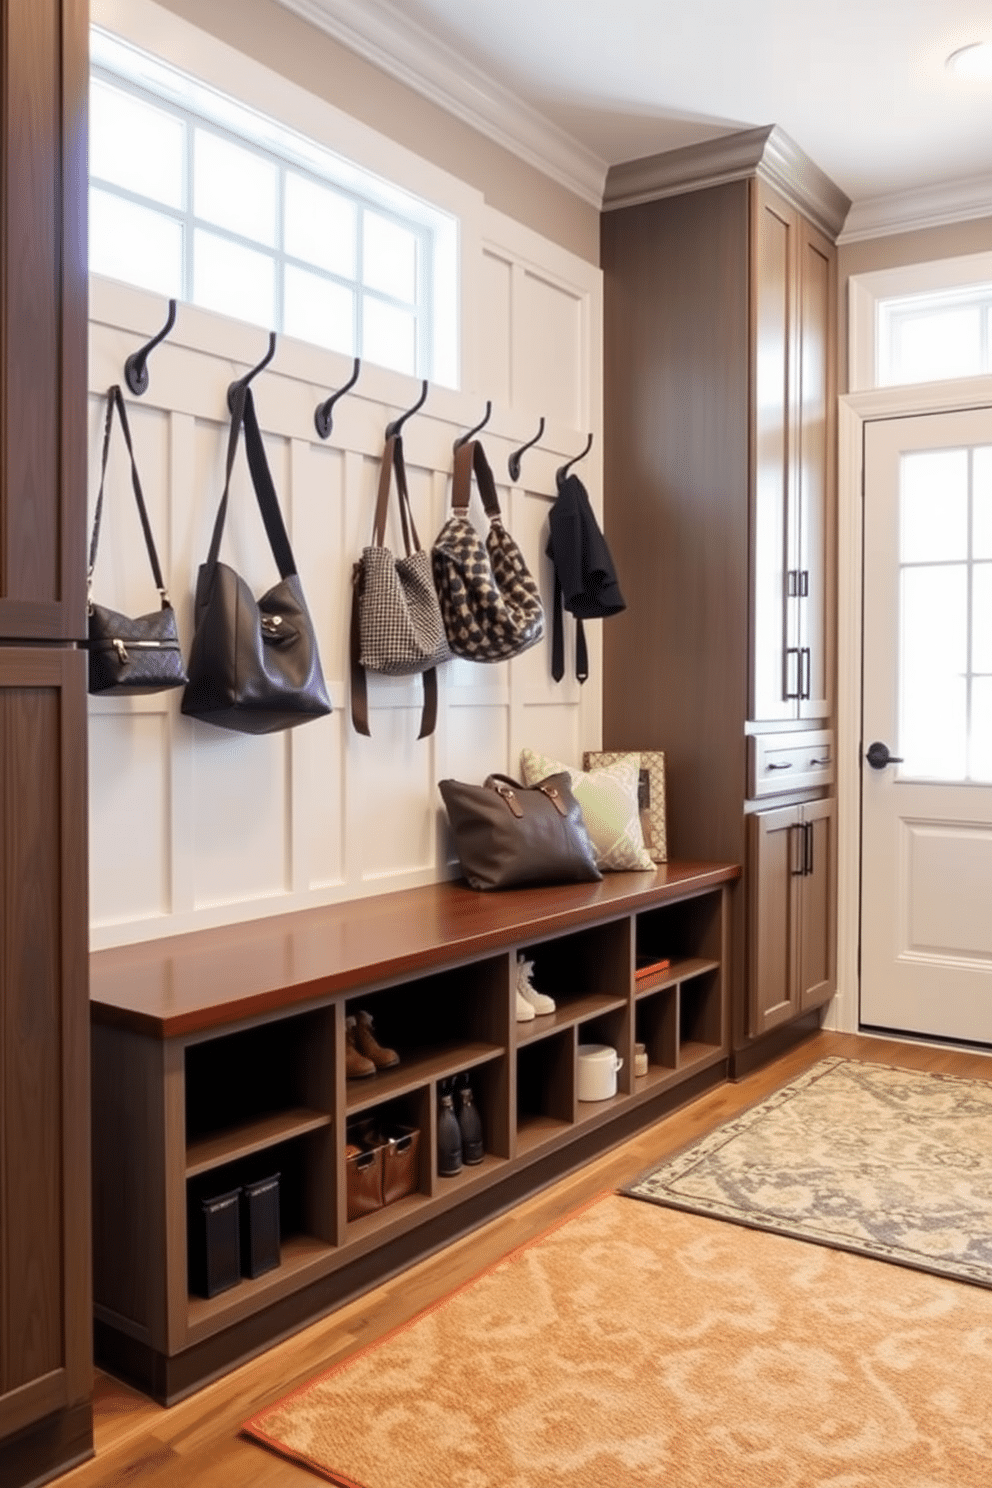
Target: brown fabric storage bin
(364,1185)
(400,1163)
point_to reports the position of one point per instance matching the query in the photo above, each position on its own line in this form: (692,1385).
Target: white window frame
(232,74)
(867,293)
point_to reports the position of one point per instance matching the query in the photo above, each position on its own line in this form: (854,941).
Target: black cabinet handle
(787,691)
(804,584)
(798,849)
(808,847)
(779,765)
(805,670)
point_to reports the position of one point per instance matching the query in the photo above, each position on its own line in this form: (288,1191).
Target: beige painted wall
(897,250)
(315,61)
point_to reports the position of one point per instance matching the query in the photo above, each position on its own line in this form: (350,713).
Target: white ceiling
(860,85)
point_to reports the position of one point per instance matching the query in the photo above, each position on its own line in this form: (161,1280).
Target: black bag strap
(115,400)
(558,640)
(243,412)
(469,457)
(392,461)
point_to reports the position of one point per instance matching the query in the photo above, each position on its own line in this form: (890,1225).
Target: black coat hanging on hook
(585,580)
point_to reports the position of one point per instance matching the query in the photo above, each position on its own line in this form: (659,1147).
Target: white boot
(538,1001)
(524,1010)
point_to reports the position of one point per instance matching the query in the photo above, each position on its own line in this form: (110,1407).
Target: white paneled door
(926,897)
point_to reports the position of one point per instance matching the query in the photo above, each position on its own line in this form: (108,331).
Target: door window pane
(136,146)
(389,258)
(234,188)
(982,489)
(388,335)
(981,729)
(317,310)
(320,226)
(933,492)
(135,244)
(981,624)
(933,657)
(232,279)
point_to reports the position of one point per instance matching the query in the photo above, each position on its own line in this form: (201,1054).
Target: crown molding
(767,152)
(912,211)
(377,31)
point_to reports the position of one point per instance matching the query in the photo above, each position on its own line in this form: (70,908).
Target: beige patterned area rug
(890,1163)
(643,1347)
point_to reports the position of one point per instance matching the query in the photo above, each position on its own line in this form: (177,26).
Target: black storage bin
(260,1226)
(215,1244)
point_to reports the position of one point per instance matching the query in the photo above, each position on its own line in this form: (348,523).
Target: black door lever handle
(878,756)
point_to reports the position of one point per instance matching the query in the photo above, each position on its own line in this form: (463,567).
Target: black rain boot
(470,1122)
(449,1137)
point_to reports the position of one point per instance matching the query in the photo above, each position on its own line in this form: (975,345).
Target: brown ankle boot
(367,1044)
(356,1066)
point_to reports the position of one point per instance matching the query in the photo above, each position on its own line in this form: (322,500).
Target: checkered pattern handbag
(396,625)
(490,603)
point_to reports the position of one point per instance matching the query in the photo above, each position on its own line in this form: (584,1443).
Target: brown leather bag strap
(359,682)
(469,457)
(359,686)
(392,460)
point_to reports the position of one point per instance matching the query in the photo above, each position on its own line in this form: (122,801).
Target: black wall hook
(135,368)
(397,424)
(513,463)
(464,438)
(323,418)
(562,471)
(242,382)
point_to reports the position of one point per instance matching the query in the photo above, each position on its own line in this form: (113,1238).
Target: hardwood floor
(197,1440)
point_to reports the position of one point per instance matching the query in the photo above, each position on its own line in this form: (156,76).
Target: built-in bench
(219,1057)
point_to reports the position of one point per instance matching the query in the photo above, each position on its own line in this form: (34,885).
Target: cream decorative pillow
(609,802)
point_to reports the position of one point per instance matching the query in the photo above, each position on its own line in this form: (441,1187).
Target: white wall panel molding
(383,35)
(225,827)
(912,211)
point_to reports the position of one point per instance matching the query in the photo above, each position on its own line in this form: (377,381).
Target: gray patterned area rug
(887,1162)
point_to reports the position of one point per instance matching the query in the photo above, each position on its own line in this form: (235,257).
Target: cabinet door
(814,434)
(43,93)
(774,866)
(45,1306)
(817,976)
(775,660)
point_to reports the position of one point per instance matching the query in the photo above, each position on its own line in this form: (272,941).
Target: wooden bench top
(183,984)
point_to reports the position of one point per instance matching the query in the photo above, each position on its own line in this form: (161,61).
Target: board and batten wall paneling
(221,827)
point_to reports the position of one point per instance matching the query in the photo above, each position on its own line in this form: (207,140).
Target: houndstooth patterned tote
(489,601)
(396,625)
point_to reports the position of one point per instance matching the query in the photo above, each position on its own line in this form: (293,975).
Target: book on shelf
(648,966)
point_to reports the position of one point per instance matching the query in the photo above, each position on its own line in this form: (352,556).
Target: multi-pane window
(199,198)
(929,337)
(945,664)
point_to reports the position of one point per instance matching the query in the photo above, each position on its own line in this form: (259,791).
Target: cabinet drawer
(789,762)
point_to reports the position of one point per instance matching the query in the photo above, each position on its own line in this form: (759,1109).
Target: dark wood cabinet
(45,1281)
(45,1310)
(719,475)
(790,911)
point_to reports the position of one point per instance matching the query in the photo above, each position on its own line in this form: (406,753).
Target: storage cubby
(545,1089)
(245,1091)
(700,1017)
(438,1025)
(656,1027)
(687,935)
(203,1090)
(586,973)
(371,1130)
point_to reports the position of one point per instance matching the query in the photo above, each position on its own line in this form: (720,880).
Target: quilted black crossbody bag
(139,655)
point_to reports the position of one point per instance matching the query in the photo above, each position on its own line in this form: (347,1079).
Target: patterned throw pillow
(608,798)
